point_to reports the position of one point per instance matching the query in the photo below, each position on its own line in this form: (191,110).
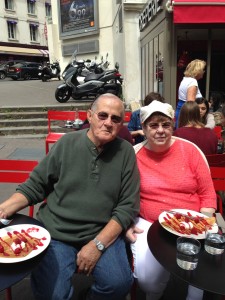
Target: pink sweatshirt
(177,178)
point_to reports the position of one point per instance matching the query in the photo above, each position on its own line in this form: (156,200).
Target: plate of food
(22,242)
(183,222)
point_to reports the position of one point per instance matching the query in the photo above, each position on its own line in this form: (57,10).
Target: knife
(220,222)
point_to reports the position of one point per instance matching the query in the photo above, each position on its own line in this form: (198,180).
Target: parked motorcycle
(50,71)
(109,81)
(87,66)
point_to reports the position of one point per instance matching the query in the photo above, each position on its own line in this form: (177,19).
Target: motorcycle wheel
(117,92)
(2,75)
(63,95)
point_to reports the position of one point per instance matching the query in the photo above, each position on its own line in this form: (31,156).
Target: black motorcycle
(109,81)
(87,66)
(50,71)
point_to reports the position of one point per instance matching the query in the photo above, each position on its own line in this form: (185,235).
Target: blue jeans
(113,278)
(179,105)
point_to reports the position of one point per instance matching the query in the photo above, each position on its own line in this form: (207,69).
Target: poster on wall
(79,17)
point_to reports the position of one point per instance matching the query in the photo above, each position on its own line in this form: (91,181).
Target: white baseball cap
(156,106)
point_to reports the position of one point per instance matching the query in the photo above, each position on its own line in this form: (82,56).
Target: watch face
(100,247)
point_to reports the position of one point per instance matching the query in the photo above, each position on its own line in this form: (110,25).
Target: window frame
(9,5)
(33,32)
(31,8)
(11,27)
(48,9)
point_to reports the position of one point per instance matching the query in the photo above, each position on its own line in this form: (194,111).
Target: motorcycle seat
(93,76)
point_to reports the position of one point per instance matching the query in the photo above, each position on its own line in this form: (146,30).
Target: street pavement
(30,93)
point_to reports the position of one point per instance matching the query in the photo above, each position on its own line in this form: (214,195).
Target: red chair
(82,115)
(216,160)
(218,177)
(16,171)
(218,131)
(127,116)
(56,115)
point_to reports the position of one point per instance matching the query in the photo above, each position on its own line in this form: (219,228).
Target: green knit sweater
(84,189)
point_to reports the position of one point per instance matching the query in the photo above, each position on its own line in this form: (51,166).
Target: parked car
(4,67)
(24,70)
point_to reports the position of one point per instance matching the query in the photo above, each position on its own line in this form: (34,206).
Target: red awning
(198,11)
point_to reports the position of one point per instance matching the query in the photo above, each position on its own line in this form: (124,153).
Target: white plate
(34,231)
(185,211)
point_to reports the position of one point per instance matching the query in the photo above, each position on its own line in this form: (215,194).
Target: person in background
(223,116)
(173,174)
(134,125)
(188,89)
(190,127)
(206,118)
(217,100)
(91,183)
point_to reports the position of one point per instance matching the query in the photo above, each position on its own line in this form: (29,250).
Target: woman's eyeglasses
(104,116)
(155,126)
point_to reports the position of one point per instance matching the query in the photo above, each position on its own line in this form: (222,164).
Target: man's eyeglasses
(104,116)
(155,126)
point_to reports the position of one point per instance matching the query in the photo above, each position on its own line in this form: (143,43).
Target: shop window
(33,32)
(11,29)
(9,4)
(217,70)
(31,6)
(150,68)
(121,20)
(153,65)
(160,64)
(48,9)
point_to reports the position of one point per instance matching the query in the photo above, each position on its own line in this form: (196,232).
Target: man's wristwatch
(99,245)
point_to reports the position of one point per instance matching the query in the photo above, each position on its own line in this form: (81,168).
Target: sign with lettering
(79,17)
(150,11)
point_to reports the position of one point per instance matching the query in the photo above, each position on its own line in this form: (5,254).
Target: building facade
(95,28)
(172,33)
(23,32)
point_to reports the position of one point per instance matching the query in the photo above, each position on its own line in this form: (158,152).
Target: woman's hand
(131,233)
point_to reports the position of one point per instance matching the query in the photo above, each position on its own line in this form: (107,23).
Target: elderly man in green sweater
(91,184)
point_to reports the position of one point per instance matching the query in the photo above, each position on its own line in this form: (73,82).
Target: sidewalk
(20,148)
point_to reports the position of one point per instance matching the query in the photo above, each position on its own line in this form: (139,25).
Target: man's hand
(131,233)
(3,214)
(87,258)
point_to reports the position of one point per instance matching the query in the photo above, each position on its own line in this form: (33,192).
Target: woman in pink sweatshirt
(173,174)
